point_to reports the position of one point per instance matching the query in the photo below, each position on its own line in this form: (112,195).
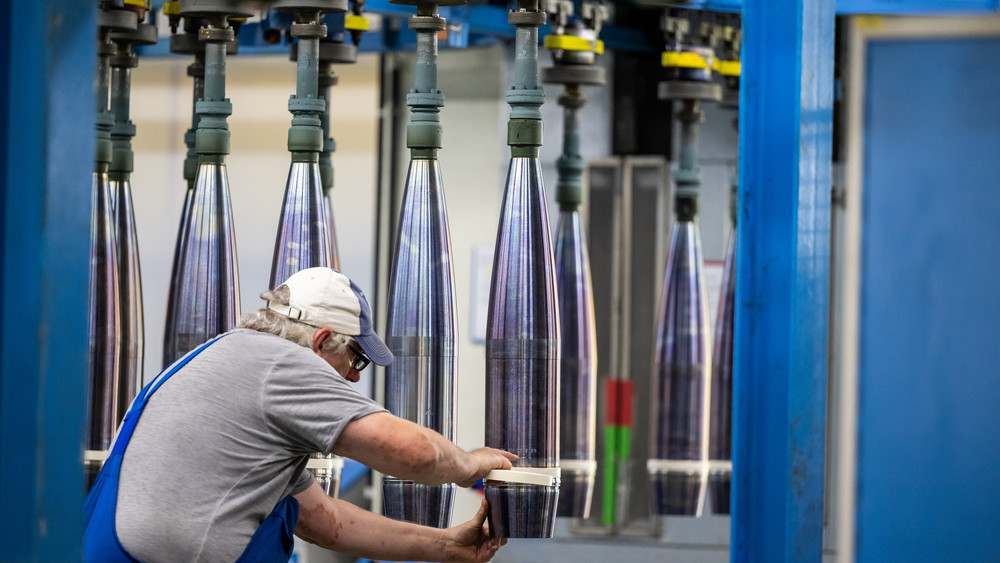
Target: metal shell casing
(522,356)
(104,315)
(721,414)
(331,232)
(205,294)
(421,327)
(578,368)
(681,373)
(130,291)
(303,238)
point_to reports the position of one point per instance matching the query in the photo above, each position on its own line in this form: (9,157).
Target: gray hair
(271,322)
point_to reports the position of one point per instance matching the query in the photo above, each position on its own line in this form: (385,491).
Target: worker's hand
(485,460)
(470,542)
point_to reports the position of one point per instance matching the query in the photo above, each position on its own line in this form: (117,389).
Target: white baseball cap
(324,297)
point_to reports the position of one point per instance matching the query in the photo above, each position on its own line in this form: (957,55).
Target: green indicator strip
(617,444)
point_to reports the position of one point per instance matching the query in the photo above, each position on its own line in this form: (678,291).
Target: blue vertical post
(47,51)
(780,358)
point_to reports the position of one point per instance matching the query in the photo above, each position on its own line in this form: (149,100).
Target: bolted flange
(419,3)
(327,6)
(530,19)
(188,44)
(117,20)
(232,8)
(689,90)
(585,75)
(427,23)
(308,30)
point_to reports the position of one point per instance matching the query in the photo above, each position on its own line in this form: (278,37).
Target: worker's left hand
(470,542)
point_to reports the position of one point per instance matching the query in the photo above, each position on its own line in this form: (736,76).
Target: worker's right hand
(485,460)
(471,542)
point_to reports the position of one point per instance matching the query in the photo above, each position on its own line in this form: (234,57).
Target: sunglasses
(361,361)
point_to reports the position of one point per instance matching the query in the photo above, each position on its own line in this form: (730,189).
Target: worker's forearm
(345,528)
(406,450)
(452,465)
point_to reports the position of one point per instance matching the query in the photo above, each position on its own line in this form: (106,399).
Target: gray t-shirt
(222,441)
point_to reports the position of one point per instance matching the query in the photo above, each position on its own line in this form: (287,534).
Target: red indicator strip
(617,442)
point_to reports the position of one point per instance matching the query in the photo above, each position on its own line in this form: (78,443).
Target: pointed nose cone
(205,295)
(421,326)
(175,280)
(682,369)
(721,421)
(130,291)
(578,366)
(522,357)
(104,315)
(303,239)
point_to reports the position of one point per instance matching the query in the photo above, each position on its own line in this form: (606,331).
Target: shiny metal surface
(130,292)
(522,511)
(328,479)
(104,315)
(721,414)
(577,365)
(420,504)
(681,373)
(303,240)
(522,355)
(421,326)
(205,293)
(197,71)
(331,231)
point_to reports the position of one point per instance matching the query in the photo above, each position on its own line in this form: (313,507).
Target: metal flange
(216,34)
(575,74)
(688,90)
(326,6)
(117,20)
(234,8)
(188,44)
(524,18)
(144,34)
(427,23)
(428,2)
(308,30)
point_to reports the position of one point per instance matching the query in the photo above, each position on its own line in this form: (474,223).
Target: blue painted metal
(477,26)
(352,473)
(865,6)
(928,445)
(780,358)
(915,6)
(47,52)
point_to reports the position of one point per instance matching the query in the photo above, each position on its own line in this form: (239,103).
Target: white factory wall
(258,167)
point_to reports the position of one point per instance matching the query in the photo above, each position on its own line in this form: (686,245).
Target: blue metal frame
(864,6)
(48,128)
(780,358)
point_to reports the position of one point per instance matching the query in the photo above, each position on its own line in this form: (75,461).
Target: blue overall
(272,542)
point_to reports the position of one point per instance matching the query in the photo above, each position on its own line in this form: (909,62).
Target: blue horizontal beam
(904,7)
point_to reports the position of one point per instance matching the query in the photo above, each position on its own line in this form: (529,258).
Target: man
(209,462)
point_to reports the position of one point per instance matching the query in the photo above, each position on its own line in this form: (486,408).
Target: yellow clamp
(683,60)
(172,8)
(571,43)
(137,3)
(728,68)
(355,22)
